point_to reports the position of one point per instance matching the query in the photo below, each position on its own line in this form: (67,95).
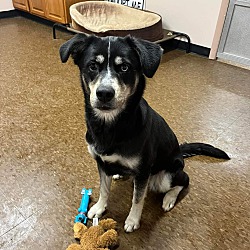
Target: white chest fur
(129,162)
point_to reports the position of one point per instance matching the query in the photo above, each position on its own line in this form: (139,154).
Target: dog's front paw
(117,177)
(97,210)
(131,224)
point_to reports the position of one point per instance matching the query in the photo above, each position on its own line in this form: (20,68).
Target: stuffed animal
(100,237)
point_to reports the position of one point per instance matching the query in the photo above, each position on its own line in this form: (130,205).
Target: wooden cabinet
(21,4)
(54,10)
(37,7)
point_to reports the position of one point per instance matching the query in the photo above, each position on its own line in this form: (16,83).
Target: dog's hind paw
(170,198)
(168,205)
(131,225)
(97,210)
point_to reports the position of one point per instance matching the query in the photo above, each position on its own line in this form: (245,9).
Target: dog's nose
(105,94)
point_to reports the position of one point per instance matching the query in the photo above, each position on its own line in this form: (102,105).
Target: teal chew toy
(82,210)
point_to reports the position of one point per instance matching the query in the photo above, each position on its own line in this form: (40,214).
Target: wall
(6,5)
(197,18)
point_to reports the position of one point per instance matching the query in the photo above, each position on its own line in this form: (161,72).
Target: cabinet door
(37,7)
(21,4)
(55,10)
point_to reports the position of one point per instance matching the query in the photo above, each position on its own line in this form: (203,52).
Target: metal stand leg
(59,25)
(187,37)
(54,30)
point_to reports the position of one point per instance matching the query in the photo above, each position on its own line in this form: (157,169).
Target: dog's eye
(93,67)
(124,67)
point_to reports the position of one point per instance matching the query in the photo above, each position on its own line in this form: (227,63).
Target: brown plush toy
(100,237)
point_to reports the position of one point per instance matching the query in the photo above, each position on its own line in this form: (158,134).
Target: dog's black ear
(149,54)
(73,47)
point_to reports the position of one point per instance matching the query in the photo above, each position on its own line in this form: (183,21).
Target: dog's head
(111,68)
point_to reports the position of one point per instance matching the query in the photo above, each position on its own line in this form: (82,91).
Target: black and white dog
(124,134)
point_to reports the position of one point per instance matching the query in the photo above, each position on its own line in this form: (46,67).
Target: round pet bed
(110,19)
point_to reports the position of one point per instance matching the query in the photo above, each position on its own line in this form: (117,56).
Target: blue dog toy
(82,210)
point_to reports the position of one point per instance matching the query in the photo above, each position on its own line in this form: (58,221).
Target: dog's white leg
(133,220)
(98,209)
(170,198)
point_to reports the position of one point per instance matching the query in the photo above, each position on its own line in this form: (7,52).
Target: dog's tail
(191,149)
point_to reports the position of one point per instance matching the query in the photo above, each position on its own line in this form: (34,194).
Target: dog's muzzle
(105,95)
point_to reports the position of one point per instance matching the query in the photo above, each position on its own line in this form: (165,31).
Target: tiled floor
(44,161)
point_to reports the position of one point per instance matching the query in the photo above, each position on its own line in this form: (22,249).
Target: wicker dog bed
(109,19)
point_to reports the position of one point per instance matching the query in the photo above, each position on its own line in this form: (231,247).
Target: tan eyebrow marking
(118,60)
(100,58)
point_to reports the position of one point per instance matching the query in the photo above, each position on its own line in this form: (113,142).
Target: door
(55,10)
(21,4)
(37,7)
(235,39)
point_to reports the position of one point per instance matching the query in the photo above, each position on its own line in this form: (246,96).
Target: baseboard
(16,13)
(177,44)
(9,13)
(194,48)
(36,18)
